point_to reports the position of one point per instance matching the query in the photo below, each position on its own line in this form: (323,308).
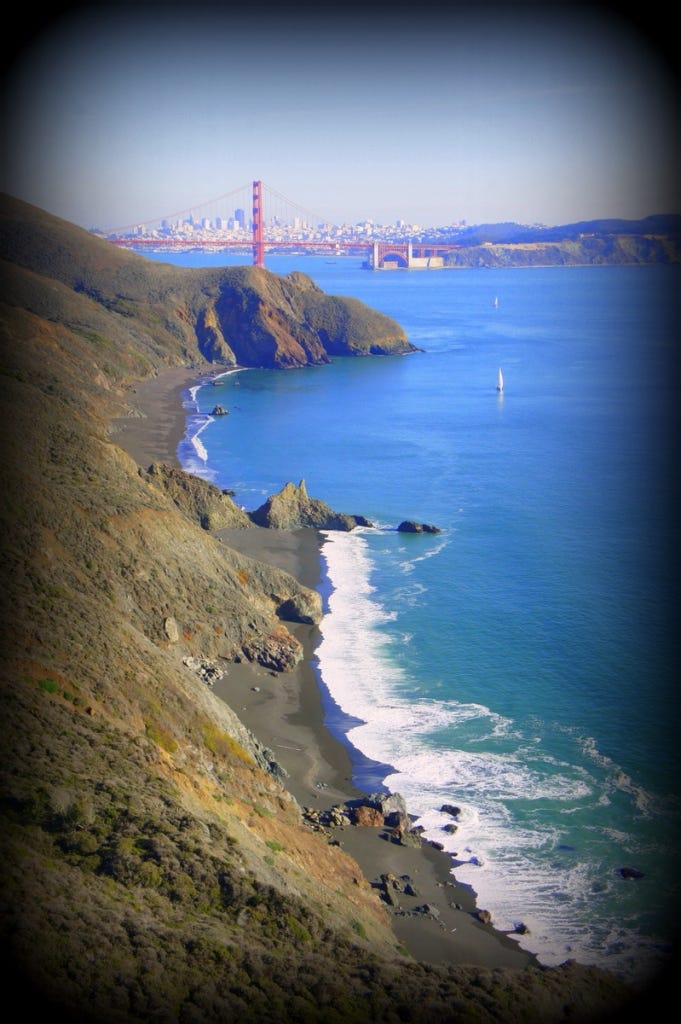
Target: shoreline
(154,431)
(286,713)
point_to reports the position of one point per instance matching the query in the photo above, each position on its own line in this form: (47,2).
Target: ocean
(517,664)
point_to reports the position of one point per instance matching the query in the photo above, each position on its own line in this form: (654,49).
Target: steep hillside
(165,315)
(154,866)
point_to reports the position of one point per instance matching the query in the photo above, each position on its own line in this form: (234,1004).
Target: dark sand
(155,432)
(285,712)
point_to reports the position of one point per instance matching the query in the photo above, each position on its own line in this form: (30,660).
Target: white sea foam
(618,779)
(192,452)
(199,446)
(195,455)
(409,564)
(503,848)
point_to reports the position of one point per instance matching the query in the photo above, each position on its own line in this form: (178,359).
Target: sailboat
(500,381)
(496,301)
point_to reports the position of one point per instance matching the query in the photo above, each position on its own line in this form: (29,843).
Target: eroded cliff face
(168,315)
(153,865)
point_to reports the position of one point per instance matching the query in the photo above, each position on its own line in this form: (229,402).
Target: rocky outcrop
(202,501)
(630,873)
(376,810)
(304,606)
(410,526)
(280,651)
(292,508)
(289,509)
(365,816)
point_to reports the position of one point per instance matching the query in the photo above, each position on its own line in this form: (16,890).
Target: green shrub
(297,930)
(48,685)
(262,812)
(161,736)
(224,745)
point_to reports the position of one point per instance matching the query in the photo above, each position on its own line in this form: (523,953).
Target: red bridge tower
(258,227)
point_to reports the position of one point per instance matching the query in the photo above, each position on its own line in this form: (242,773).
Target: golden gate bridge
(284,225)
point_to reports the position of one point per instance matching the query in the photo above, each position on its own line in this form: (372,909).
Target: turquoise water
(519,663)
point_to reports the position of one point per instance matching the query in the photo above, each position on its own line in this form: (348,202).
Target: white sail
(500,380)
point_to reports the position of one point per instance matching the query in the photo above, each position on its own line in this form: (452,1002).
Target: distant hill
(508,232)
(653,240)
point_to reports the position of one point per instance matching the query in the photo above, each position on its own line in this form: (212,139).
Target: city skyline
(239,226)
(121,113)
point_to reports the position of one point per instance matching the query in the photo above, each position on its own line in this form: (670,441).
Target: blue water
(519,663)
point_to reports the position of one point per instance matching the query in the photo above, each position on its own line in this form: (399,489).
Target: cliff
(154,866)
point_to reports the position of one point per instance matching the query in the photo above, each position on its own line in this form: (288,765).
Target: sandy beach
(286,713)
(155,431)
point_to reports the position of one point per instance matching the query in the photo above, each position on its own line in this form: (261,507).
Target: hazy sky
(121,113)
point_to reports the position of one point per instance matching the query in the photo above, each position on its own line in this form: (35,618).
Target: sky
(122,113)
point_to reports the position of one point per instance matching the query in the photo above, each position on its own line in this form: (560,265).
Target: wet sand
(287,714)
